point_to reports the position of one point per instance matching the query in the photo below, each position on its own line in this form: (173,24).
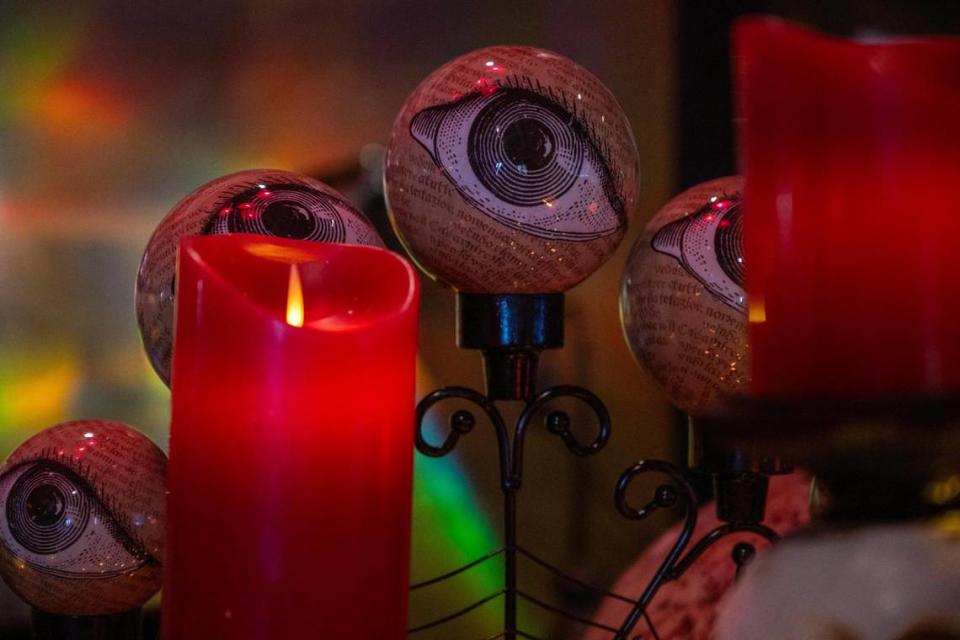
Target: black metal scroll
(510,448)
(679,493)
(511,330)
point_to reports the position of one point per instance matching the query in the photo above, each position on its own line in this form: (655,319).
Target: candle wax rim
(304,247)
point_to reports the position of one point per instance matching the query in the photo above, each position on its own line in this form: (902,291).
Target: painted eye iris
(524,158)
(55,521)
(283,210)
(288,220)
(529,144)
(45,505)
(523,151)
(729,243)
(46,512)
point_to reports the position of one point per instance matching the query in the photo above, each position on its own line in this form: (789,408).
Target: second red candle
(291,446)
(851,155)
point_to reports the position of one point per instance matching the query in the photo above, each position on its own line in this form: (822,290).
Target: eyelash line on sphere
(271,180)
(74,470)
(274,183)
(601,148)
(734,197)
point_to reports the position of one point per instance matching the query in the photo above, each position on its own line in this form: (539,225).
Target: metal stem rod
(510,565)
(511,331)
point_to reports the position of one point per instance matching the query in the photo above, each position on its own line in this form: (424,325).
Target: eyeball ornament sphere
(682,300)
(264,201)
(82,521)
(511,170)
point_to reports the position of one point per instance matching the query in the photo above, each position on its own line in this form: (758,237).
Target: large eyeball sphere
(82,521)
(511,170)
(265,201)
(682,298)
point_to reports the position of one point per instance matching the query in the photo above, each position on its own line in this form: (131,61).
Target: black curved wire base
(678,493)
(511,330)
(510,448)
(522,595)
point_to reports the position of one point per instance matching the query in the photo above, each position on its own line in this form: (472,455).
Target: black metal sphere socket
(510,375)
(510,330)
(711,453)
(738,474)
(875,459)
(521,321)
(741,497)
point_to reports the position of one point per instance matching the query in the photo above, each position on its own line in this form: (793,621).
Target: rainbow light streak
(450,529)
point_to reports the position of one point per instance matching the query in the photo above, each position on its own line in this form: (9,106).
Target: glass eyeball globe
(511,170)
(682,301)
(263,201)
(81,531)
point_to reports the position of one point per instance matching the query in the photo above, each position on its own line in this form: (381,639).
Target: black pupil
(528,143)
(45,505)
(287,220)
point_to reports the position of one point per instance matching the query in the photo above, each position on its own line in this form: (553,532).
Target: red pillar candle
(291,444)
(851,155)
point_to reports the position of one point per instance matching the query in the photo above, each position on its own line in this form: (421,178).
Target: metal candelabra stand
(511,330)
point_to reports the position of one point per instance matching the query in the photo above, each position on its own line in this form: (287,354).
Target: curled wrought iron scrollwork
(558,422)
(461,423)
(676,493)
(679,493)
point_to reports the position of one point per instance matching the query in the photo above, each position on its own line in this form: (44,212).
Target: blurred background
(111,111)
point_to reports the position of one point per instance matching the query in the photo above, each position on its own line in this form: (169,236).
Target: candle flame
(295,299)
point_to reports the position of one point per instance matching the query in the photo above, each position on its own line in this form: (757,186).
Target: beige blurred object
(511,170)
(83,524)
(682,297)
(263,201)
(886,582)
